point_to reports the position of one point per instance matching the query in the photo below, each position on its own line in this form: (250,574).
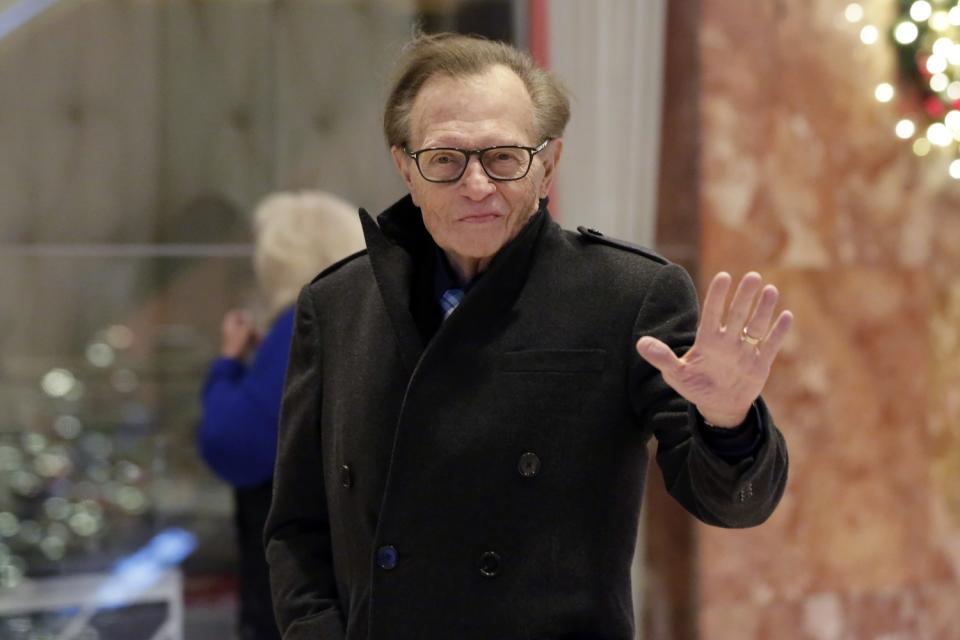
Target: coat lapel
(485,310)
(393,269)
(487,307)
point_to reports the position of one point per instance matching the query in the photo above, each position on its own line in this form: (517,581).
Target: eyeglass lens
(449,164)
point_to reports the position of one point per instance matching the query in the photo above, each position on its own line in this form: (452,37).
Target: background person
(296,236)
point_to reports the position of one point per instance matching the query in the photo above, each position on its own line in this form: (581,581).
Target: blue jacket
(241,409)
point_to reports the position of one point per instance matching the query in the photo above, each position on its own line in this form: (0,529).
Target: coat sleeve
(739,494)
(297,534)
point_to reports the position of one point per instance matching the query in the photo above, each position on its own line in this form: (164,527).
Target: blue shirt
(445,278)
(241,409)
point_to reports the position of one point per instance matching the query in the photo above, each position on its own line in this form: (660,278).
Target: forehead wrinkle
(483,134)
(453,109)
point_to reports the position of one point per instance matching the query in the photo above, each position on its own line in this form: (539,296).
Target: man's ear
(551,157)
(401,160)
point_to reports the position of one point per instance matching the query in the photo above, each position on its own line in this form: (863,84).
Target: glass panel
(102,362)
(124,218)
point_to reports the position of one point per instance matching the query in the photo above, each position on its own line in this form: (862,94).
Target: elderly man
(463,441)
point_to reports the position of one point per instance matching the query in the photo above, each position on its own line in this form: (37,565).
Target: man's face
(476,216)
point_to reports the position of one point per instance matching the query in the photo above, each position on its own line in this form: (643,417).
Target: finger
(711,318)
(773,343)
(759,324)
(742,303)
(229,320)
(241,317)
(658,354)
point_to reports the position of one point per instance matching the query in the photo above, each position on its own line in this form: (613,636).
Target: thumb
(657,353)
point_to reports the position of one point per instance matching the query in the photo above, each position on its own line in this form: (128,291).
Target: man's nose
(475,183)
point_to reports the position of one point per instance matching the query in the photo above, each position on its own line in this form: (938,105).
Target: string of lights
(926,37)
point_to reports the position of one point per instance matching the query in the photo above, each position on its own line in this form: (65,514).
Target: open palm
(729,363)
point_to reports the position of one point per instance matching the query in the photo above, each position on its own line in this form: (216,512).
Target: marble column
(803,180)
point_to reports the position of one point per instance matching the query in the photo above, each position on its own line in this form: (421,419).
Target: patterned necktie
(449,301)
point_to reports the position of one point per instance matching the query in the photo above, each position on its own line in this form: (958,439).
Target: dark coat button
(345,478)
(489,564)
(529,465)
(387,557)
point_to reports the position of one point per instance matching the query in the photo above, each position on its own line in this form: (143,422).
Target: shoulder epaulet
(596,236)
(339,263)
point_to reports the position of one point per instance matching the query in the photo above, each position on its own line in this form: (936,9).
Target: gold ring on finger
(749,339)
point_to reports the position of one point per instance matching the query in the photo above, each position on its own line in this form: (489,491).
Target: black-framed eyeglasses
(448,164)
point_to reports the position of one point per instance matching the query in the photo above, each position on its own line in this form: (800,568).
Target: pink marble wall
(803,180)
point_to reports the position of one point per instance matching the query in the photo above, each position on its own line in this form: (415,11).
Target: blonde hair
(298,235)
(459,56)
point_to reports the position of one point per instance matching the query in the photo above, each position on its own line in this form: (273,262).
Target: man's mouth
(479,218)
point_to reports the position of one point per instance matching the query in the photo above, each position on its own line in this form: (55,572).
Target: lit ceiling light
(853,13)
(921,10)
(905,129)
(943,47)
(884,92)
(940,21)
(906,32)
(939,134)
(954,16)
(100,354)
(936,64)
(58,382)
(119,336)
(955,169)
(952,120)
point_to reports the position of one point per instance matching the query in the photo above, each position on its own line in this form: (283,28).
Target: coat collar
(401,234)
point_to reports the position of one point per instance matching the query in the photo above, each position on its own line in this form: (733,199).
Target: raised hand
(728,365)
(238,334)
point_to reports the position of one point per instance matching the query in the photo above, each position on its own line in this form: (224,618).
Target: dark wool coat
(487,485)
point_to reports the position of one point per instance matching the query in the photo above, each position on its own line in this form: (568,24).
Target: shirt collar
(400,236)
(444,278)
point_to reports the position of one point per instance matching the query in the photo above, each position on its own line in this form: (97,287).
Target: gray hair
(459,56)
(298,235)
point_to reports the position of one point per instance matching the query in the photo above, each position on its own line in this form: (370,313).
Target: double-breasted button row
(346,476)
(489,564)
(387,557)
(529,464)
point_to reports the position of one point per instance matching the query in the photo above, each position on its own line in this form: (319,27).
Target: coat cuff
(737,444)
